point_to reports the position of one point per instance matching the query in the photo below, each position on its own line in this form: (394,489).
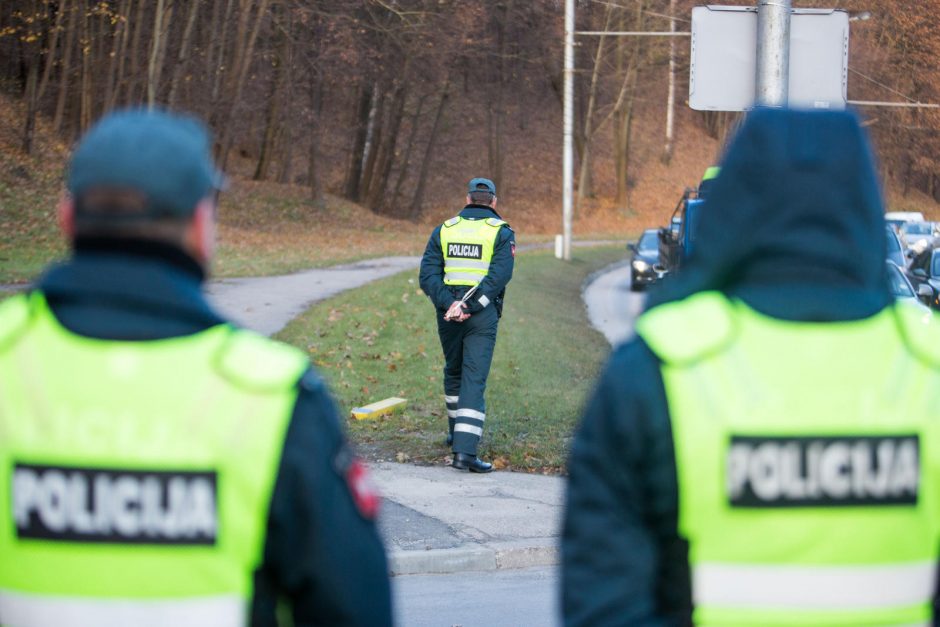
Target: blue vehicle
(676,244)
(677,241)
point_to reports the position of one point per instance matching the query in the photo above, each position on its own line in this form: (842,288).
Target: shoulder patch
(452,221)
(14,317)
(683,332)
(495,222)
(920,331)
(365,496)
(253,361)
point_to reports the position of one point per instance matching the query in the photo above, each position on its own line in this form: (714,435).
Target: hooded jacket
(793,226)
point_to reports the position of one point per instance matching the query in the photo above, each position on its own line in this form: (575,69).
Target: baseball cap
(481,185)
(164,156)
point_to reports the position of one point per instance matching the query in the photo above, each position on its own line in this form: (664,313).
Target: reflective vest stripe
(464,264)
(27,610)
(463,276)
(813,587)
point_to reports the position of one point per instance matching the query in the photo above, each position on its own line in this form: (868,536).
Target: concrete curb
(476,557)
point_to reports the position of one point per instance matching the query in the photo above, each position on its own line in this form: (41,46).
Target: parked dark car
(644,264)
(925,270)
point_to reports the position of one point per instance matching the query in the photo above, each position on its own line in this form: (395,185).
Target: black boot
(464,461)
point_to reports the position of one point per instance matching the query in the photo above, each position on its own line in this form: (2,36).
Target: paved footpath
(434,519)
(267,304)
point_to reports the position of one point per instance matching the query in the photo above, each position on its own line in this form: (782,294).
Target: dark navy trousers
(468,352)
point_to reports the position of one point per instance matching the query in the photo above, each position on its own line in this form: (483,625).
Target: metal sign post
(773,53)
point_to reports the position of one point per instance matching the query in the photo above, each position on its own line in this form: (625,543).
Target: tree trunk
(32,101)
(586,182)
(284,140)
(313,163)
(429,151)
(66,70)
(374,131)
(273,122)
(624,112)
(406,159)
(361,123)
(268,143)
(161,23)
(244,65)
(136,43)
(181,58)
(51,51)
(219,73)
(87,43)
(385,156)
(116,60)
(495,110)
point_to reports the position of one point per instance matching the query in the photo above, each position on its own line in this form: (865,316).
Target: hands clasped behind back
(456,312)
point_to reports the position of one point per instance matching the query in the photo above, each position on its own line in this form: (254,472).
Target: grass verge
(381,341)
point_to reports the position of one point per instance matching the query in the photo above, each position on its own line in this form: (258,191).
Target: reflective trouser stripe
(465,428)
(813,587)
(451,402)
(470,413)
(463,276)
(466,264)
(463,415)
(27,610)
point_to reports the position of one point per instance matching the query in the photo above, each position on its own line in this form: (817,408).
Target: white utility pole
(567,162)
(671,97)
(773,53)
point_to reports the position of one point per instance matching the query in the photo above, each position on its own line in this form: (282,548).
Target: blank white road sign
(723,75)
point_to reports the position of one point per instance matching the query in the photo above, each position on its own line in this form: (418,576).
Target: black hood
(794,224)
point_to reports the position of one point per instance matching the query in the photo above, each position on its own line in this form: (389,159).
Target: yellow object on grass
(379,408)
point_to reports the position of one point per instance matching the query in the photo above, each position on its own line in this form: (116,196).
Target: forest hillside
(378,111)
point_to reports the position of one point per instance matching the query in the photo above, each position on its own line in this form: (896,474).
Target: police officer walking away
(465,269)
(160,466)
(767,450)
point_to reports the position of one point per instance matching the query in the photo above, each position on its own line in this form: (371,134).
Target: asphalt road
(612,307)
(502,598)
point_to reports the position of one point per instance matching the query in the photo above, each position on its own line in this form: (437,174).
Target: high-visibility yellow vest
(808,456)
(135,476)
(468,246)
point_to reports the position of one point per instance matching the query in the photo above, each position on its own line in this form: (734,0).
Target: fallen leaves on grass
(500,463)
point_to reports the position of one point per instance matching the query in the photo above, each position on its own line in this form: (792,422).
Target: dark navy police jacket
(321,554)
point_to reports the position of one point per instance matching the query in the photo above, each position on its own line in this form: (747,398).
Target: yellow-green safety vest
(808,457)
(468,246)
(135,476)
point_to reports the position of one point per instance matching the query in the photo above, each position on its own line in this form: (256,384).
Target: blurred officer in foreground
(465,269)
(158,465)
(766,451)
